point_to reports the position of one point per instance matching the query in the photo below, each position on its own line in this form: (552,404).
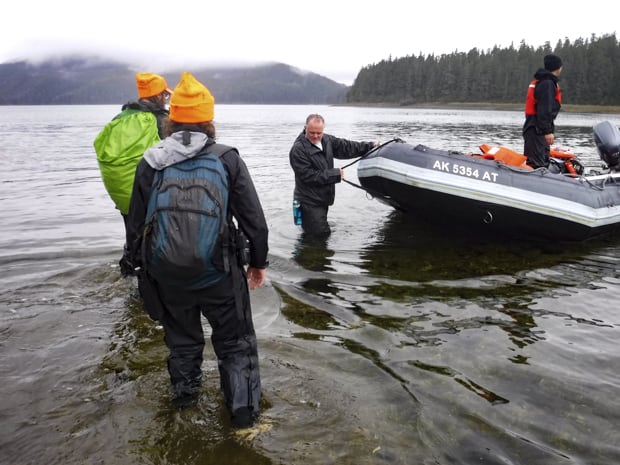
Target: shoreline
(489,106)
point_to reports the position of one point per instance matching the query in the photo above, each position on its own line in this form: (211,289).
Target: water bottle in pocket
(297,212)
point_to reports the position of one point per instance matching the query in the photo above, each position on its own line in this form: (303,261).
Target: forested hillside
(591,75)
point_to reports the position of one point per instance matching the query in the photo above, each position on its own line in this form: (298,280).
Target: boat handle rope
(374,149)
(371,193)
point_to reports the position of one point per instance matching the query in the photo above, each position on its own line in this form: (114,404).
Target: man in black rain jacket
(312,159)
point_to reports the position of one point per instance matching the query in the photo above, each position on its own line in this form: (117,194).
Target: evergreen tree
(591,75)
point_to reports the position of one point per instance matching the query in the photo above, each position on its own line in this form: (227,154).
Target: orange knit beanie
(150,84)
(191,101)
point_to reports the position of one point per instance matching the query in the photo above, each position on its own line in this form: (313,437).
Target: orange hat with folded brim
(191,101)
(150,84)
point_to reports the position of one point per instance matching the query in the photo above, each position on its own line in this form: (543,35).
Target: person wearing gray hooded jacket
(226,304)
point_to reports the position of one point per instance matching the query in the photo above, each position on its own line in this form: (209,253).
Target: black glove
(127,268)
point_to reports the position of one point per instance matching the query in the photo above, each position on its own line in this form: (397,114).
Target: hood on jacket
(542,73)
(173,150)
(144,105)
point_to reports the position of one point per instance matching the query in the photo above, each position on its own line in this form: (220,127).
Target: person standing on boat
(542,105)
(312,159)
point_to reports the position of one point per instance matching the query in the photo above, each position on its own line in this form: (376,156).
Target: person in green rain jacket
(122,142)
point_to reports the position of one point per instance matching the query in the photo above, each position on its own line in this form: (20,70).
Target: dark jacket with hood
(315,175)
(547,106)
(243,200)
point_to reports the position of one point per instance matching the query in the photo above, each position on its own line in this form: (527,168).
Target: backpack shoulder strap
(218,149)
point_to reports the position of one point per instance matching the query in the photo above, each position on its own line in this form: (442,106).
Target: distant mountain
(84,80)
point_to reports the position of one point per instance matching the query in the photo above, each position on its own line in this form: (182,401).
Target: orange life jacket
(530,100)
(505,155)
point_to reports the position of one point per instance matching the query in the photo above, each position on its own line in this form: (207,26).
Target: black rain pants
(233,338)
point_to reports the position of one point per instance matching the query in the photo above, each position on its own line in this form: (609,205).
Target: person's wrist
(266,265)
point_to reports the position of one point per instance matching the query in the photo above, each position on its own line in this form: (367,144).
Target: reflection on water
(391,342)
(414,251)
(427,296)
(312,253)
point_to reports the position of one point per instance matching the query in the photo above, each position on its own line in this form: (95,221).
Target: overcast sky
(334,38)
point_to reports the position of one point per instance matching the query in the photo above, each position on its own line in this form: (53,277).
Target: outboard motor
(607,138)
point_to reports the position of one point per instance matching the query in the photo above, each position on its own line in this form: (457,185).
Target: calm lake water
(391,343)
